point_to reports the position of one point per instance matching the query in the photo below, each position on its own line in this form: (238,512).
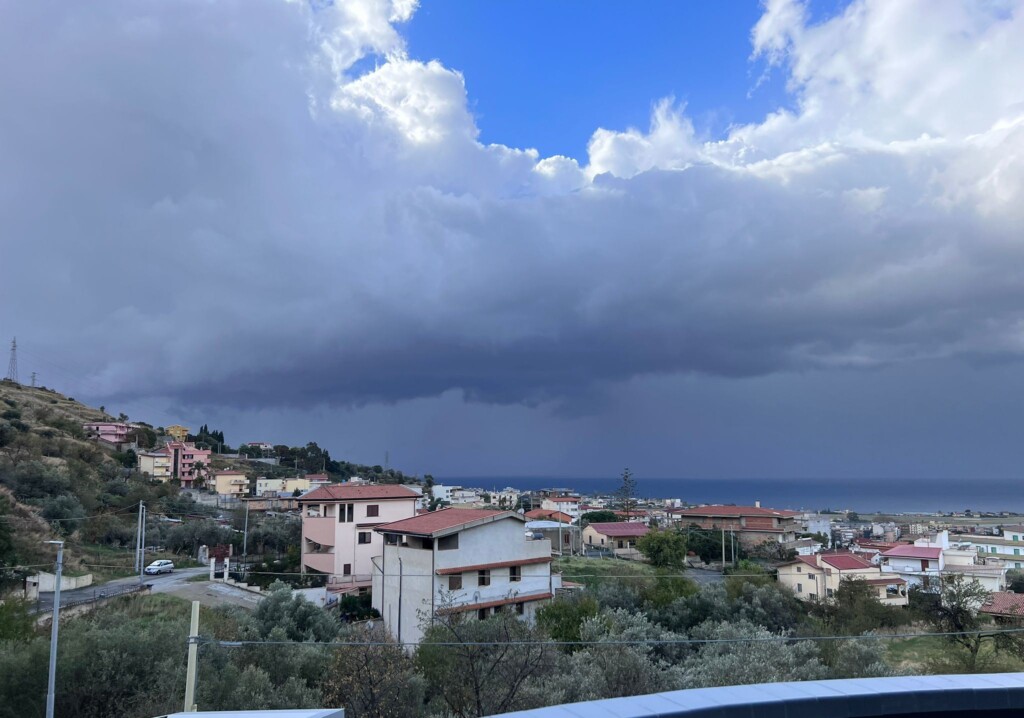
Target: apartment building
(818,576)
(472,561)
(566,504)
(931,557)
(177,432)
(155,464)
(112,433)
(752,524)
(273,487)
(337,529)
(184,457)
(1008,545)
(231,484)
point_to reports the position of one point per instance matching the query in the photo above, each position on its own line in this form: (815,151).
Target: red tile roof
(552,514)
(845,561)
(564,499)
(913,552)
(444,520)
(621,529)
(1004,603)
(718,510)
(341,492)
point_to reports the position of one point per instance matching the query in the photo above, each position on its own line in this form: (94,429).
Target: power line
(12,365)
(633,642)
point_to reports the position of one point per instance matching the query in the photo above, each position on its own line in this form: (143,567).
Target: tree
(299,619)
(854,608)
(663,548)
(599,517)
(730,660)
(1015,581)
(479,668)
(956,614)
(626,494)
(562,618)
(373,681)
(852,516)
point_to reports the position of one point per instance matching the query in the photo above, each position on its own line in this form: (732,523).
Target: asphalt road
(162,583)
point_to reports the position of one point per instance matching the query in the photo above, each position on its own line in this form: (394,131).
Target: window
(520,608)
(1016,552)
(447,543)
(482,614)
(372,510)
(812,596)
(515,573)
(799,588)
(455,583)
(1017,564)
(620,544)
(828,592)
(364,537)
(346,513)
(483,577)
(1016,537)
(799,569)
(391,539)
(346,570)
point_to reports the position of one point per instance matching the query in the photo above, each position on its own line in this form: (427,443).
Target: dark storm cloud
(206,208)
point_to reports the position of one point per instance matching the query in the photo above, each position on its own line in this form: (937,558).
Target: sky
(775,239)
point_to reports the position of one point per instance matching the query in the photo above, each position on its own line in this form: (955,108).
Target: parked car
(161,566)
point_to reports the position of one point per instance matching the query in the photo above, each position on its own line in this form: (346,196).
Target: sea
(862,495)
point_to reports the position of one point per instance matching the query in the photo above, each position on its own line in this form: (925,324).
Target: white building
(1008,546)
(337,529)
(566,504)
(473,561)
(932,557)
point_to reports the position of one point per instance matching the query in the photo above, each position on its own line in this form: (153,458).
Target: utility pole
(142,540)
(33,380)
(733,547)
(54,628)
(12,365)
(245,537)
(723,547)
(193,660)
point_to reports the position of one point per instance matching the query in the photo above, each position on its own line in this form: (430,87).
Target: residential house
(1008,545)
(184,457)
(273,487)
(565,537)
(179,432)
(114,435)
(261,445)
(619,537)
(752,525)
(471,561)
(931,557)
(566,504)
(318,480)
(156,464)
(337,529)
(803,546)
(549,515)
(818,577)
(231,483)
(1004,606)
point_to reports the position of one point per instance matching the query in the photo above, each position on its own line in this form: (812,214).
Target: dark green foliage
(599,517)
(1015,580)
(854,609)
(16,623)
(66,512)
(665,548)
(356,608)
(292,615)
(481,680)
(561,619)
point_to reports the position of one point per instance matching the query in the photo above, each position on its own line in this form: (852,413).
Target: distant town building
(549,515)
(818,577)
(337,529)
(471,561)
(184,457)
(619,537)
(752,525)
(566,504)
(1008,545)
(261,445)
(273,487)
(114,435)
(179,432)
(231,483)
(156,464)
(930,557)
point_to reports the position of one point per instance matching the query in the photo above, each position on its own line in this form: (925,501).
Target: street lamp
(54,628)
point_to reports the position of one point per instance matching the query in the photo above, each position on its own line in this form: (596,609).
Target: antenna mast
(12,366)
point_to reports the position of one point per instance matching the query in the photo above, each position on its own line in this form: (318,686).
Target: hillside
(56,484)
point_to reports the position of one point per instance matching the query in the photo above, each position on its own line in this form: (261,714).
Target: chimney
(757,504)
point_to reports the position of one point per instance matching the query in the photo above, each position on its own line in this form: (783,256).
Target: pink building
(337,529)
(110,432)
(184,457)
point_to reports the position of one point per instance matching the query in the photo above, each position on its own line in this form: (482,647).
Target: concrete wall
(47,582)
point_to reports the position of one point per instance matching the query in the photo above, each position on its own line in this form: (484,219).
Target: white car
(162,566)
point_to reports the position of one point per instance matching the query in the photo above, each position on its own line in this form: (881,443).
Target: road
(175,583)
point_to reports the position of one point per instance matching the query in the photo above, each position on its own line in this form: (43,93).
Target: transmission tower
(12,366)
